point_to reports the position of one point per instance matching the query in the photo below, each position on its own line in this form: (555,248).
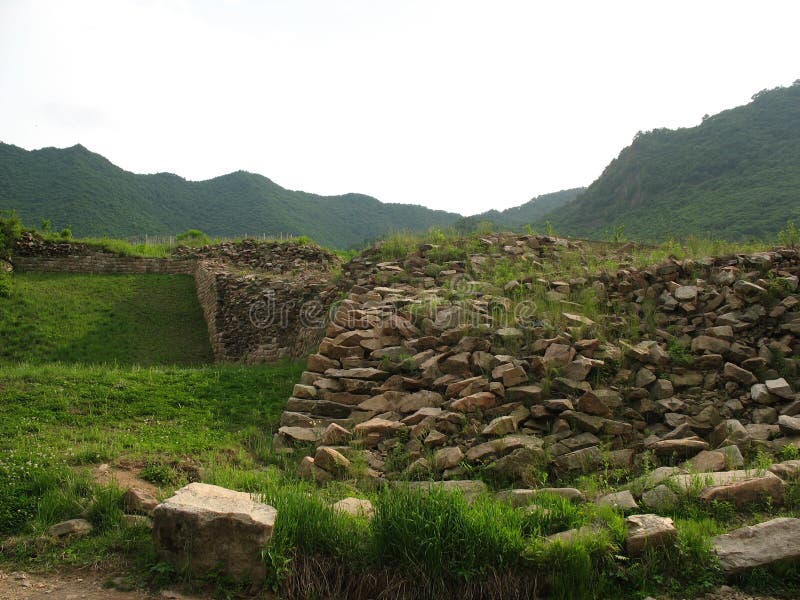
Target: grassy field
(110,319)
(53,418)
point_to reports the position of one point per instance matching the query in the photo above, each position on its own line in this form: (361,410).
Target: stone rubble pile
(421,363)
(31,244)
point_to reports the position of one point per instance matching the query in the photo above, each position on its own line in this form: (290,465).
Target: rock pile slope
(497,361)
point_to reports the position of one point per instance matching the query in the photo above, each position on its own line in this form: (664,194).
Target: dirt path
(91,585)
(78,585)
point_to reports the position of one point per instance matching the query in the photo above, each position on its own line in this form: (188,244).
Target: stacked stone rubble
(420,361)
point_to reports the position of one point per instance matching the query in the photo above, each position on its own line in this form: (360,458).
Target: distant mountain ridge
(515,218)
(734,176)
(96,198)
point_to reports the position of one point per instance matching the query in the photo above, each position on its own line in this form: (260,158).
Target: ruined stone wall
(101,263)
(262,302)
(264,319)
(413,366)
(205,278)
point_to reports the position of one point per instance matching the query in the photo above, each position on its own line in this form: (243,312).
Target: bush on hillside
(10,230)
(193,237)
(5,283)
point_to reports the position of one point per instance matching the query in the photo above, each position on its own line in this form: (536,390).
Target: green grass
(56,417)
(113,319)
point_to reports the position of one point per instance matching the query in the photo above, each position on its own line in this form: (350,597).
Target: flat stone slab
(758,545)
(741,488)
(73,527)
(623,500)
(204,527)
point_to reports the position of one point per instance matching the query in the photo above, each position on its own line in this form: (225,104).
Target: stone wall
(266,318)
(205,278)
(262,302)
(103,264)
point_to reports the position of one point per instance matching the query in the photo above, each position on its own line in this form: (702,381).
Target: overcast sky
(457,105)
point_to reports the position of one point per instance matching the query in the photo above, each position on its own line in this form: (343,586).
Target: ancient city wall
(261,302)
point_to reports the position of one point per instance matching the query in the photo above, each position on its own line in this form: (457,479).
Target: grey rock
(759,545)
(73,527)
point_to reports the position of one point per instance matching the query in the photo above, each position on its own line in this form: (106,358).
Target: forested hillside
(734,176)
(517,217)
(82,189)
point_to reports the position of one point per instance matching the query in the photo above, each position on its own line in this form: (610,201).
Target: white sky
(458,105)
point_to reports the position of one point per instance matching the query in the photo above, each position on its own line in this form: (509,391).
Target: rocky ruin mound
(515,358)
(31,244)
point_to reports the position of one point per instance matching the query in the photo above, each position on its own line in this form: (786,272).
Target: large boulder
(204,527)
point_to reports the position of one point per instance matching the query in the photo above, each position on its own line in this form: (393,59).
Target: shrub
(679,353)
(439,534)
(192,237)
(10,230)
(159,474)
(5,283)
(105,511)
(789,235)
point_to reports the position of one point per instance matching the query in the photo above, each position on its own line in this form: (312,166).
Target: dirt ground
(93,585)
(78,585)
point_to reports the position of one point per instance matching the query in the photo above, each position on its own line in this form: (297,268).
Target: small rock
(331,460)
(204,527)
(736,373)
(660,498)
(789,425)
(707,461)
(137,500)
(623,500)
(682,448)
(335,435)
(780,388)
(500,426)
(590,404)
(448,458)
(73,527)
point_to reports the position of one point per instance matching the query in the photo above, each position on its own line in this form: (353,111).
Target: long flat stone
(758,545)
(741,488)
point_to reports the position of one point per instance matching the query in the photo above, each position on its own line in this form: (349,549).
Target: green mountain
(734,176)
(76,187)
(533,211)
